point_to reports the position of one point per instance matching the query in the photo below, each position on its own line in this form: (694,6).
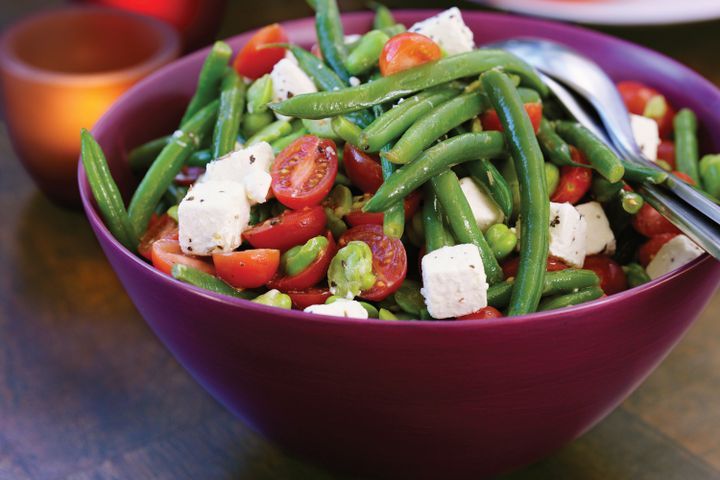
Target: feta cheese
(289,80)
(647,136)
(568,233)
(352,38)
(599,237)
(448,30)
(484,208)
(249,166)
(290,56)
(257,185)
(354,81)
(339,308)
(454,281)
(675,253)
(212,217)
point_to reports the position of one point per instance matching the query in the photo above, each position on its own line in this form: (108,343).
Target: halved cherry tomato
(407,50)
(188,175)
(510,266)
(312,275)
(684,177)
(166,253)
(574,181)
(649,222)
(482,314)
(247,268)
(292,227)
(637,96)
(490,120)
(364,170)
(666,151)
(304,173)
(301,299)
(254,60)
(612,277)
(160,228)
(389,259)
(649,249)
(358,217)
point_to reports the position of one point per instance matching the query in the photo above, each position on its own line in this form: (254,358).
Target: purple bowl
(413,399)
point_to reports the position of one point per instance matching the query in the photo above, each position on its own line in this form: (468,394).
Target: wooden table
(87,391)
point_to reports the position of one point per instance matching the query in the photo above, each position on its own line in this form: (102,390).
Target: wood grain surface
(88,392)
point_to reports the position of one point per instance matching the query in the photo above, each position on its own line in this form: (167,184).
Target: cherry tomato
(301,299)
(649,249)
(188,175)
(649,222)
(510,266)
(666,151)
(389,259)
(574,181)
(292,227)
(312,275)
(612,277)
(407,50)
(159,228)
(364,170)
(482,314)
(637,96)
(684,177)
(254,60)
(166,253)
(304,173)
(490,120)
(247,268)
(358,217)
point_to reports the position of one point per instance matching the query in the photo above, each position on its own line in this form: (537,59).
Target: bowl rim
(101,229)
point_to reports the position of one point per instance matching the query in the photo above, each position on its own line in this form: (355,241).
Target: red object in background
(197,20)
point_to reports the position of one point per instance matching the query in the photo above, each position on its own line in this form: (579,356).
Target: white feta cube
(448,30)
(484,208)
(212,217)
(257,186)
(599,237)
(675,253)
(339,308)
(647,135)
(568,233)
(454,282)
(290,56)
(249,166)
(289,80)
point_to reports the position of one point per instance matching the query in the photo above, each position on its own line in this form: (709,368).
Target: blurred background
(86,391)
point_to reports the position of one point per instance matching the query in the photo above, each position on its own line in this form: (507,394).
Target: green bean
(298,258)
(168,164)
(175,193)
(639,174)
(487,176)
(209,79)
(254,122)
(384,314)
(203,280)
(462,222)
(436,235)
(365,55)
(631,202)
(106,192)
(598,154)
(534,199)
(569,299)
(140,158)
(274,298)
(342,179)
(554,283)
(686,144)
(603,190)
(552,177)
(555,148)
(383,16)
(199,158)
(282,143)
(270,133)
(409,298)
(330,36)
(407,82)
(433,161)
(710,174)
(346,130)
(259,213)
(636,275)
(395,121)
(434,124)
(394,215)
(664,165)
(232,102)
(501,239)
(259,94)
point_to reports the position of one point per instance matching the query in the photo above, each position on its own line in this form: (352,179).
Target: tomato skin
(574,181)
(166,252)
(358,217)
(254,61)
(482,314)
(247,268)
(491,121)
(292,227)
(407,50)
(389,259)
(684,177)
(666,151)
(649,249)
(301,299)
(510,266)
(159,228)
(364,170)
(304,172)
(612,276)
(312,275)
(636,96)
(649,222)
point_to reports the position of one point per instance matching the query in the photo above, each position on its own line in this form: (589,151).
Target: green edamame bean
(501,239)
(604,190)
(346,130)
(369,308)
(330,36)
(365,55)
(259,94)
(282,143)
(552,177)
(636,275)
(232,102)
(555,148)
(383,17)
(334,223)
(340,200)
(254,122)
(206,281)
(569,299)
(631,202)
(270,133)
(436,235)
(300,257)
(554,283)
(710,174)
(172,212)
(342,179)
(350,270)
(209,79)
(603,160)
(140,158)
(409,298)
(686,144)
(384,314)
(274,298)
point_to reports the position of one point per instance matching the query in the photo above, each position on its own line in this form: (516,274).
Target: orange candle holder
(60,70)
